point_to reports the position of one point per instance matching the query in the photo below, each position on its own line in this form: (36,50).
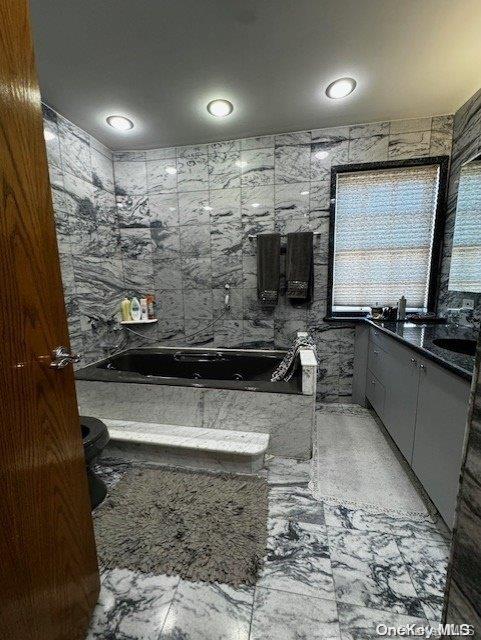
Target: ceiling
(161,61)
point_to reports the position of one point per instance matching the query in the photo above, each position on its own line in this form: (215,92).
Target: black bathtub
(205,368)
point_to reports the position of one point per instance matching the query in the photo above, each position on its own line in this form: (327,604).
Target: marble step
(193,447)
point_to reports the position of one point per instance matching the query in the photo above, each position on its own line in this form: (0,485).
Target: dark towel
(268,268)
(299,266)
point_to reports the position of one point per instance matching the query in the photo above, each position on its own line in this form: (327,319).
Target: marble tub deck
(287,418)
(330,572)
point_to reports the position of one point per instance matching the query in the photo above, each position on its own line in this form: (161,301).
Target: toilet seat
(95,436)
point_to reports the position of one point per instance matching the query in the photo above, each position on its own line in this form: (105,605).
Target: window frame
(438,232)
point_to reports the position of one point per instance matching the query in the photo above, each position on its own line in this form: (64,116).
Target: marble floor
(331,572)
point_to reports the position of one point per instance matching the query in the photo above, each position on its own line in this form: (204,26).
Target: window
(385,234)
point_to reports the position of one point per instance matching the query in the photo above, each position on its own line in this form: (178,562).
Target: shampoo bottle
(150,306)
(125,310)
(135,310)
(143,308)
(401,308)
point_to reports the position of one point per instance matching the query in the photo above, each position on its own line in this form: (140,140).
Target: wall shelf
(139,321)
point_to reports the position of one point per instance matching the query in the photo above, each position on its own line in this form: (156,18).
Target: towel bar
(283,235)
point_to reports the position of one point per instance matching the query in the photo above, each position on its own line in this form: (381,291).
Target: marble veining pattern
(287,418)
(331,573)
(369,571)
(288,471)
(295,503)
(127,603)
(202,611)
(359,623)
(279,615)
(342,517)
(424,337)
(297,559)
(87,223)
(426,561)
(463,596)
(199,219)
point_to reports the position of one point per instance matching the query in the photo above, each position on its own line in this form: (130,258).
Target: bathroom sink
(458,345)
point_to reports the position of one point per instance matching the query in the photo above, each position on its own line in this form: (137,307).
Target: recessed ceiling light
(220,108)
(255,205)
(321,155)
(207,208)
(120,122)
(241,163)
(48,135)
(304,193)
(171,170)
(341,88)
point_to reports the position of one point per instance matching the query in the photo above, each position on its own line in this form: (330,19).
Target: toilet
(95,437)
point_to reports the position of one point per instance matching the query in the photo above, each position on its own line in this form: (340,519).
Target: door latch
(61,357)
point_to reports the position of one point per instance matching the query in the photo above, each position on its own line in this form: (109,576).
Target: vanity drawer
(375,393)
(377,337)
(390,347)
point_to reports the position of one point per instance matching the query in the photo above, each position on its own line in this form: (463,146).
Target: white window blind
(465,272)
(383,237)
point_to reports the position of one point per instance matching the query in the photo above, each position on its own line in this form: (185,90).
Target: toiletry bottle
(135,310)
(143,309)
(150,306)
(125,310)
(401,308)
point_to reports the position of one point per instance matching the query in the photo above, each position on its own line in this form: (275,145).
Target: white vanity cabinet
(422,405)
(441,419)
(400,377)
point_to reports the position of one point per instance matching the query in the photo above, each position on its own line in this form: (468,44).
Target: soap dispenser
(135,309)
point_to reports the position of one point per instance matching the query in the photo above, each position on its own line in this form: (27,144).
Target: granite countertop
(421,336)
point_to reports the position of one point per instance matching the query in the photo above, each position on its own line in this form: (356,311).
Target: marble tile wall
(466,144)
(176,221)
(185,215)
(463,594)
(82,182)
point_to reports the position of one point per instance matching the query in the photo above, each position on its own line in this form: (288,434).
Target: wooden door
(48,569)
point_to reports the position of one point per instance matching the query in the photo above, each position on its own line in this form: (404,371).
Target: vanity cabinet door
(396,368)
(440,428)
(375,393)
(402,382)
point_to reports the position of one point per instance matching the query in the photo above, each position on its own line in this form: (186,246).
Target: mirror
(465,272)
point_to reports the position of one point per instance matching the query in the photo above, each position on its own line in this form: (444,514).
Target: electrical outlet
(468,303)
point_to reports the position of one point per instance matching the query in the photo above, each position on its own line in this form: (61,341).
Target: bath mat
(354,465)
(196,525)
